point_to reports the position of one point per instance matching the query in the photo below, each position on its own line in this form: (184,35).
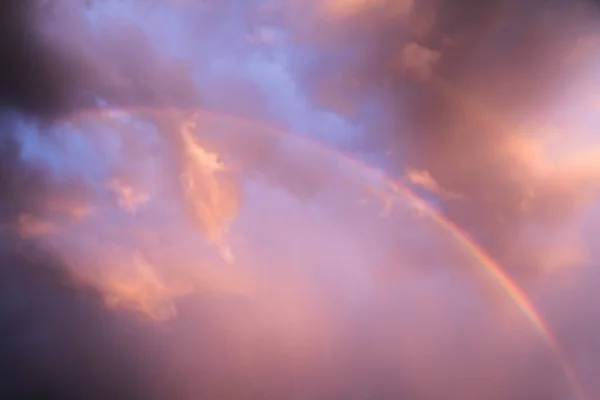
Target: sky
(284,199)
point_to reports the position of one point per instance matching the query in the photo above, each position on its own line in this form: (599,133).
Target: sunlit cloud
(300,199)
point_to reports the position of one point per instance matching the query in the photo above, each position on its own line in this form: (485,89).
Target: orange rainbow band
(493,269)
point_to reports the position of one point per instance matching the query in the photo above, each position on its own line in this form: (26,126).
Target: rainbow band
(493,269)
(497,273)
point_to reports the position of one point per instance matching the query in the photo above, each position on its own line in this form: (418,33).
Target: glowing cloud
(128,197)
(213,196)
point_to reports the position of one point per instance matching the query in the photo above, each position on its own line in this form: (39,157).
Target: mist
(304,200)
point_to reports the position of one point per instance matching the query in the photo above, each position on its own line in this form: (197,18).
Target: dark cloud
(468,84)
(57,339)
(36,81)
(35,77)
(130,72)
(451,75)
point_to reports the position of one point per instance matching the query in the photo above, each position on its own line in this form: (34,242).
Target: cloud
(58,339)
(128,198)
(327,296)
(418,61)
(426,181)
(467,100)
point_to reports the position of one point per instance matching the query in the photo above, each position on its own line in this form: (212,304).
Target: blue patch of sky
(269,70)
(273,71)
(67,149)
(286,99)
(72,152)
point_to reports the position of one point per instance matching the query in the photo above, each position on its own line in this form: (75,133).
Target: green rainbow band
(493,269)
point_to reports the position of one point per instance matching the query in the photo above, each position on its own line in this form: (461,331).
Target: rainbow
(492,268)
(497,273)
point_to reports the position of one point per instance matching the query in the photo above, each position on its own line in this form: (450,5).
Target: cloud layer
(161,228)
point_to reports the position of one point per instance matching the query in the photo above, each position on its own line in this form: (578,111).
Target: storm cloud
(165,235)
